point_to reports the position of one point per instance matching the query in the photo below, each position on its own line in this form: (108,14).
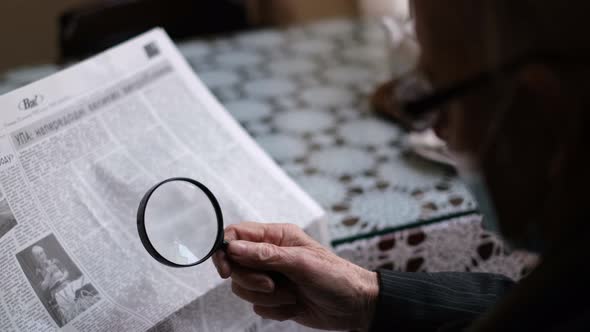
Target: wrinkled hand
(288,275)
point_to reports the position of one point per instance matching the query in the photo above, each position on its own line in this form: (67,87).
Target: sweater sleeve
(426,301)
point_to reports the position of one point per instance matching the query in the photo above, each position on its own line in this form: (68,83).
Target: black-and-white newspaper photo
(57,281)
(7,219)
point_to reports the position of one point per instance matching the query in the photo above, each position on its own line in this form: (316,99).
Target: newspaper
(77,152)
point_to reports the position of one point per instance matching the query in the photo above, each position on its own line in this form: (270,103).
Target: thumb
(263,256)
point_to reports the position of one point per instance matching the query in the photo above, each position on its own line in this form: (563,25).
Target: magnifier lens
(180,222)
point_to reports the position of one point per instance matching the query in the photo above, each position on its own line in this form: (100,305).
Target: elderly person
(505,83)
(50,271)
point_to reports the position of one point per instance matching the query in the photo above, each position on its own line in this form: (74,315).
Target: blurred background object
(289,12)
(378,8)
(82,30)
(428,146)
(31,30)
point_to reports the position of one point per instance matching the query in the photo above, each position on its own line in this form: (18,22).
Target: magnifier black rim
(145,240)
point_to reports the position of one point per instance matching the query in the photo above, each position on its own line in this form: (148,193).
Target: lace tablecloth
(459,244)
(303,93)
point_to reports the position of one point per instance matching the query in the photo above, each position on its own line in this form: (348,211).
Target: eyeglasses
(419,103)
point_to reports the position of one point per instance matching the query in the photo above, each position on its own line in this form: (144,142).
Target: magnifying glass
(180,222)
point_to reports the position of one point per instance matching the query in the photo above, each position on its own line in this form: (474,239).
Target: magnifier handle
(224,245)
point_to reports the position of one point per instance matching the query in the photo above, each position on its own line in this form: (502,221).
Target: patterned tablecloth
(459,244)
(302,93)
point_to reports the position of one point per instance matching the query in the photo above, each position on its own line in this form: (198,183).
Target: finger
(280,296)
(222,264)
(252,280)
(280,313)
(265,256)
(277,234)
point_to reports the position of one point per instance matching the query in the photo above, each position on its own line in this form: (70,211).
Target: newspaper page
(77,152)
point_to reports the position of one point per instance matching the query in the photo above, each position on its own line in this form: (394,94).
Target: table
(302,93)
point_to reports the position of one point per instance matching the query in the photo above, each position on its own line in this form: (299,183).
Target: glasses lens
(181,222)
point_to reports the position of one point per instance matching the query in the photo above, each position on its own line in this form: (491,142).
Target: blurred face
(39,255)
(507,130)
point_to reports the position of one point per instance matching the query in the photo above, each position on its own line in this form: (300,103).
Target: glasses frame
(432,101)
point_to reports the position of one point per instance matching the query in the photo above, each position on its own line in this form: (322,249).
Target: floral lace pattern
(459,245)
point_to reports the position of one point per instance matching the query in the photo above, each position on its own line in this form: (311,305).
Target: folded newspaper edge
(77,151)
